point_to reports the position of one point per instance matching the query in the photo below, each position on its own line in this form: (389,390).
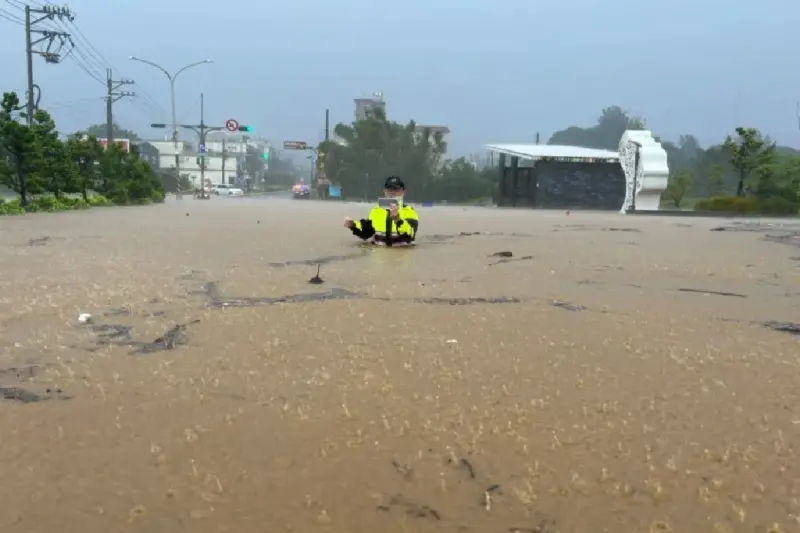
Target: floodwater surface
(247,367)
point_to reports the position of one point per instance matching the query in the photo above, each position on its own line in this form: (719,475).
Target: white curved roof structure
(544,151)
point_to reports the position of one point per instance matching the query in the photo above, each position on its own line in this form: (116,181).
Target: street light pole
(172,78)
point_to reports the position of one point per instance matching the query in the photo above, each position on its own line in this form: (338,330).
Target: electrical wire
(7,15)
(84,54)
(94,55)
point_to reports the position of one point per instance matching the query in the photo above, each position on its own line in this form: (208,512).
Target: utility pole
(202,134)
(202,130)
(172,77)
(327,124)
(56,40)
(224,157)
(113,96)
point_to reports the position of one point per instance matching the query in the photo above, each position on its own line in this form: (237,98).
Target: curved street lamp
(172,77)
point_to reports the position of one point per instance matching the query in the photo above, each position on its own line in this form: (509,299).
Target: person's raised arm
(361,228)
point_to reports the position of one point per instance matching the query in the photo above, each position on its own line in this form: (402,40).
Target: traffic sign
(231,125)
(295,145)
(124,143)
(202,148)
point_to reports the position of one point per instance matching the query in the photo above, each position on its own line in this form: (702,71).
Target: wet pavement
(249,367)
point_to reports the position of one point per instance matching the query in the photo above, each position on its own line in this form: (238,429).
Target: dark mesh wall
(562,184)
(579,185)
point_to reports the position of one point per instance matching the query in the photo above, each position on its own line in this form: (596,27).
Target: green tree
(171,182)
(18,167)
(606,134)
(110,170)
(254,164)
(462,181)
(716,180)
(369,150)
(99,131)
(85,153)
(56,169)
(750,151)
(677,187)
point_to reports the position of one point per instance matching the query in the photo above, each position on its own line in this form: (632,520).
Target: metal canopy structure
(553,176)
(534,152)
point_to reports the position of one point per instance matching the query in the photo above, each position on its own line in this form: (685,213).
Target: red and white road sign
(125,143)
(232,125)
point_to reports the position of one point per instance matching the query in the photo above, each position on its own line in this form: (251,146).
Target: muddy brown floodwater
(517,371)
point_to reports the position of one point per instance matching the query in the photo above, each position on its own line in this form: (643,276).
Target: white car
(226,190)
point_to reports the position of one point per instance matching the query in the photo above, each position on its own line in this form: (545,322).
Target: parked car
(226,190)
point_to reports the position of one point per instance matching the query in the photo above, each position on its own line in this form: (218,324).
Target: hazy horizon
(277,67)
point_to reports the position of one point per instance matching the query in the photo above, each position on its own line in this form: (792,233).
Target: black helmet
(393,183)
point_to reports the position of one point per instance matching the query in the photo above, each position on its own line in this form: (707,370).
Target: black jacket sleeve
(362,228)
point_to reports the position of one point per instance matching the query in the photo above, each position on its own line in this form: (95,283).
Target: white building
(225,155)
(218,169)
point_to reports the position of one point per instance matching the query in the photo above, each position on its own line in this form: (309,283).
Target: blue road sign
(202,148)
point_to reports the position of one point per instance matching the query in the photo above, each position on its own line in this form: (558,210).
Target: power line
(96,61)
(7,15)
(62,39)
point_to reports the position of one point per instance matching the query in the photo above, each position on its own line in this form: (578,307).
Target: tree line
(747,172)
(50,173)
(365,152)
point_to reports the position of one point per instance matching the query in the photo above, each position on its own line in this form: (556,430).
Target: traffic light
(158,125)
(246,128)
(265,156)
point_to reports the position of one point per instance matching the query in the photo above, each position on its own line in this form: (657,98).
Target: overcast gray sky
(493,71)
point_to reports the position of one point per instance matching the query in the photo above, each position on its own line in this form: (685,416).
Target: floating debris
(175,336)
(785,327)
(316,280)
(469,301)
(324,260)
(713,293)
(41,241)
(21,395)
(568,306)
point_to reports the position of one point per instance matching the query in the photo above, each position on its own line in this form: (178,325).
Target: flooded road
(516,371)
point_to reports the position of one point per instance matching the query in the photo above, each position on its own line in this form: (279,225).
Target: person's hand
(348,222)
(394,211)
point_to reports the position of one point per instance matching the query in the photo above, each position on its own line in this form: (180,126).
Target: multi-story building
(224,157)
(365,105)
(150,154)
(218,169)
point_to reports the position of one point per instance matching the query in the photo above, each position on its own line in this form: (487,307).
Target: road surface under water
(517,371)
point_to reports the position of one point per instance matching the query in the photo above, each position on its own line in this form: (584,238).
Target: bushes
(99,201)
(749,205)
(11,207)
(50,204)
